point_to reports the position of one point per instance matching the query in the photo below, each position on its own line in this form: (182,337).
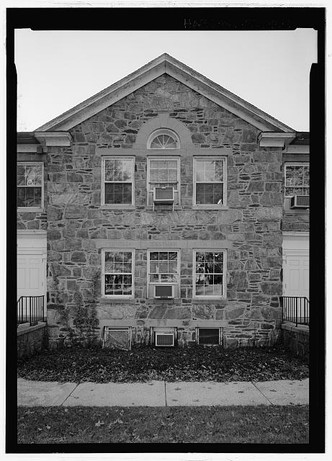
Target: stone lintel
(166,244)
(272,139)
(163,323)
(54,138)
(182,152)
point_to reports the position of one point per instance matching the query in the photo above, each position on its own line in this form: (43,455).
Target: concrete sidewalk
(162,393)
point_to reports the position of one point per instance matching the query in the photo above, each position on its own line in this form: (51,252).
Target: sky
(57,70)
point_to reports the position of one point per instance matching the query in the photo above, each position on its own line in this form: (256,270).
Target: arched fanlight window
(163,139)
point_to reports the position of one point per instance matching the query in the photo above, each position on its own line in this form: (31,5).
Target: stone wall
(296,339)
(31,340)
(249,229)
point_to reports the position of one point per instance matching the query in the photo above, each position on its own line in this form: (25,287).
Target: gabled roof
(165,64)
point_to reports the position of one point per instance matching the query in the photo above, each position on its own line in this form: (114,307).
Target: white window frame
(167,132)
(210,205)
(176,285)
(103,181)
(117,250)
(33,208)
(177,191)
(224,275)
(288,164)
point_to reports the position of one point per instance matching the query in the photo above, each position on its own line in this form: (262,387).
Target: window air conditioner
(163,195)
(300,201)
(164,339)
(163,291)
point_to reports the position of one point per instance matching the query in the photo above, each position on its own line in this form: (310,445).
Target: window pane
(199,289)
(209,273)
(29,196)
(118,193)
(209,171)
(118,170)
(208,336)
(20,197)
(209,194)
(163,141)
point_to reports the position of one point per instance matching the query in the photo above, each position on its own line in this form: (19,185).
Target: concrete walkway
(161,393)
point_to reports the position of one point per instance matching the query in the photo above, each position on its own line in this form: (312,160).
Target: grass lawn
(262,424)
(144,363)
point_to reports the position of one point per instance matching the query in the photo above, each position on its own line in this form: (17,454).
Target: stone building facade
(215,242)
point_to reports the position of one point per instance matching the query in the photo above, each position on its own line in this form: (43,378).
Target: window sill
(197,300)
(117,207)
(30,210)
(105,300)
(210,207)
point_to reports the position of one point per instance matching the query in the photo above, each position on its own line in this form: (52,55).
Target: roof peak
(165,64)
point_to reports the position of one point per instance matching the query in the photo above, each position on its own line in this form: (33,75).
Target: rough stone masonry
(78,227)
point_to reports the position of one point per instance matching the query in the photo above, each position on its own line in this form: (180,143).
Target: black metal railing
(30,309)
(295,309)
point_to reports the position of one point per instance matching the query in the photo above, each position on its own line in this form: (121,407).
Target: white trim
(210,206)
(295,234)
(178,268)
(55,138)
(117,250)
(37,209)
(102,197)
(178,169)
(269,139)
(297,149)
(29,148)
(224,285)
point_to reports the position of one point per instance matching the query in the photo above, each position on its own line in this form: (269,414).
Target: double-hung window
(118,181)
(30,185)
(118,273)
(210,182)
(163,270)
(297,179)
(163,174)
(209,274)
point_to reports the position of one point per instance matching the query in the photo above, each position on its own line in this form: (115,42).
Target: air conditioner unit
(163,195)
(164,339)
(300,201)
(163,291)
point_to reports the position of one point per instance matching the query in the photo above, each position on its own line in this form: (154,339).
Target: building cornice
(53,138)
(270,139)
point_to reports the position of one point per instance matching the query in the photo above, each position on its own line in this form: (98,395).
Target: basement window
(208,336)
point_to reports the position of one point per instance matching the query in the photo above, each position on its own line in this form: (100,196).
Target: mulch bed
(145,363)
